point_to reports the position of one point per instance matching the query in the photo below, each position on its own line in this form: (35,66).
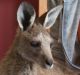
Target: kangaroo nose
(49,64)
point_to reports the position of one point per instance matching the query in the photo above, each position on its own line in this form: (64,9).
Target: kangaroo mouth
(49,66)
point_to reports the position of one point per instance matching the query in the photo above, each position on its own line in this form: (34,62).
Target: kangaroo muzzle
(49,64)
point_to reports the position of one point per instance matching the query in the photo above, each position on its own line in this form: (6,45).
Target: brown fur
(16,64)
(22,59)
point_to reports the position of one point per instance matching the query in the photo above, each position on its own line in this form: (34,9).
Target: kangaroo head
(36,41)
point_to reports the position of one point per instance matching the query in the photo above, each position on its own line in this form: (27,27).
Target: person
(70,22)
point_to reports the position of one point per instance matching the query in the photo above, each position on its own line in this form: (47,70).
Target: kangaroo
(32,46)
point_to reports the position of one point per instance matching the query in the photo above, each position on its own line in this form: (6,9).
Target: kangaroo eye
(52,45)
(35,43)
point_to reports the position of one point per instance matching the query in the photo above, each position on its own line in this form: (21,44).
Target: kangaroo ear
(25,16)
(52,16)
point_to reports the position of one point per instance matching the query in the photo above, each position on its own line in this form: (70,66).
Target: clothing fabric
(71,16)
